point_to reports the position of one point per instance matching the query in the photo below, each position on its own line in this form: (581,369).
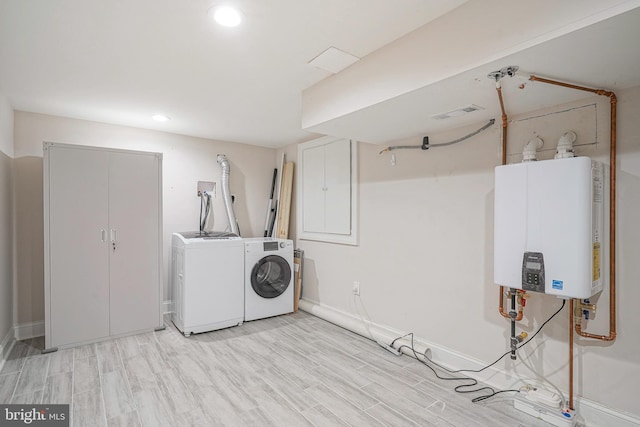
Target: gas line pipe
(612,222)
(612,230)
(612,206)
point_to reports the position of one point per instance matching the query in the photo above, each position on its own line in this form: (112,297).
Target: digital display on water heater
(534,265)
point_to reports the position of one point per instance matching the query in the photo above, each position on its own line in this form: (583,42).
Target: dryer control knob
(282,245)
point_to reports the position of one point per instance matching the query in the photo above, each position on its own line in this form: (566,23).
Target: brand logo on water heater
(557,284)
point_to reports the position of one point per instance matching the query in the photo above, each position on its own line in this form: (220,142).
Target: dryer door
(271,276)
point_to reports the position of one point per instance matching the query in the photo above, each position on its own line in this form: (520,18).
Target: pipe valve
(523,298)
(523,336)
(584,308)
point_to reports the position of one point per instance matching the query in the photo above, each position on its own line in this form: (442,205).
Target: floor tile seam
(347,399)
(336,391)
(363,386)
(73,387)
(348,402)
(375,368)
(325,359)
(290,406)
(388,364)
(436,414)
(104,406)
(15,387)
(305,417)
(334,414)
(46,377)
(276,389)
(391,409)
(126,377)
(410,402)
(186,387)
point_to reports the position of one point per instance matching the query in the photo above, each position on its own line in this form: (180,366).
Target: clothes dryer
(268,277)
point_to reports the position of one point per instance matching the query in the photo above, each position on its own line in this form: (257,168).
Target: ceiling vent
(458,112)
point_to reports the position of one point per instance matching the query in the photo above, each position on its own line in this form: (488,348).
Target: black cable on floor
(473,382)
(461,388)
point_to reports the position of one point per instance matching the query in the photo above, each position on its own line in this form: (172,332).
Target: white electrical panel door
(327,192)
(78,254)
(338,187)
(548,226)
(313,191)
(134,239)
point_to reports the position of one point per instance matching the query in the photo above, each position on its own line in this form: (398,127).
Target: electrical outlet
(356,288)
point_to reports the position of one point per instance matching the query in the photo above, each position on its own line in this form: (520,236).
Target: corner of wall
(5,347)
(7,228)
(6,127)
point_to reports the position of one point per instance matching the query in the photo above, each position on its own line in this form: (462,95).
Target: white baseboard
(167,307)
(5,347)
(594,413)
(25,331)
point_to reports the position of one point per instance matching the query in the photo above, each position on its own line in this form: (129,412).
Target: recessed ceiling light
(227,16)
(160,118)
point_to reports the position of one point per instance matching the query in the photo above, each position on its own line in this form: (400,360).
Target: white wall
(186,160)
(425,258)
(6,220)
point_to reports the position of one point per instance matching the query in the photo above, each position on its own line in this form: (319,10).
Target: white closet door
(134,218)
(79,274)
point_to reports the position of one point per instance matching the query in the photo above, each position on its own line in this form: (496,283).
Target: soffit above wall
(392,95)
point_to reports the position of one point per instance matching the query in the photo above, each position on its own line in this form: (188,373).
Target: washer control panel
(270,246)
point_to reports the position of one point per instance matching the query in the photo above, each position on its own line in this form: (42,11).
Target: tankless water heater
(548,226)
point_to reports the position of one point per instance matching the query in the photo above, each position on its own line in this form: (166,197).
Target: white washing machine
(207,281)
(268,277)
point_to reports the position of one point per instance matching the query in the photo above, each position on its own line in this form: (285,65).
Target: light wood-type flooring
(293,370)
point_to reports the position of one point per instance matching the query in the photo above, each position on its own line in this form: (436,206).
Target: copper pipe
(506,314)
(504,162)
(571,354)
(505,123)
(501,306)
(612,207)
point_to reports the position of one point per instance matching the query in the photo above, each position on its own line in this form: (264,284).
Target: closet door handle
(114,237)
(103,235)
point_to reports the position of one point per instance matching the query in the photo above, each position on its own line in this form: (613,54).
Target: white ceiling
(121,61)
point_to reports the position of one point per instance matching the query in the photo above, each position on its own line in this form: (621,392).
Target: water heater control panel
(533,272)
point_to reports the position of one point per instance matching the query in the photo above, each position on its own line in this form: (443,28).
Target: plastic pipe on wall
(233,222)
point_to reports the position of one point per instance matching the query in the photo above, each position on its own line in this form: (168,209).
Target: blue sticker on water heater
(557,284)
